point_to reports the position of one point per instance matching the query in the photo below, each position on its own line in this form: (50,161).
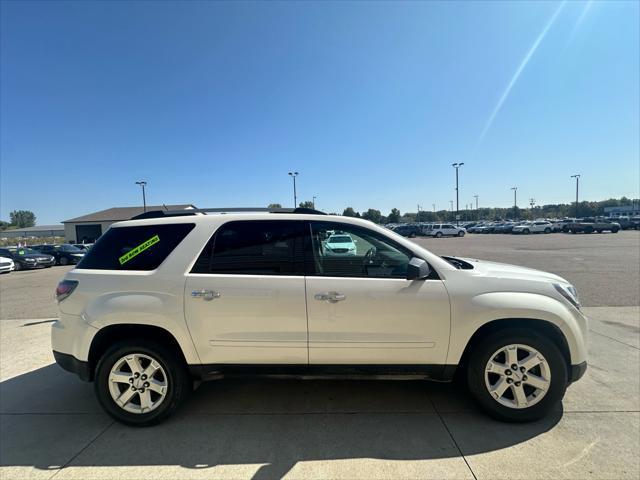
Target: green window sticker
(139,249)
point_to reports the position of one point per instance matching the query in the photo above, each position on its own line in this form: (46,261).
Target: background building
(623,211)
(37,231)
(88,228)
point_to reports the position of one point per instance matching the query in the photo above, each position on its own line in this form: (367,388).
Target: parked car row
(428,230)
(568,225)
(40,256)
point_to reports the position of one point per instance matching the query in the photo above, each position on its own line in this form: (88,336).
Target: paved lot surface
(52,427)
(605,268)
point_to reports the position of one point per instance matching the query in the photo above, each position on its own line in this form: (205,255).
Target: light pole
(142,183)
(418,214)
(434,212)
(451,202)
(515,201)
(313,202)
(295,196)
(477,211)
(457,166)
(577,177)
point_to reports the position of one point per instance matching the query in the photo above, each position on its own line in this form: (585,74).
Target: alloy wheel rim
(517,376)
(138,383)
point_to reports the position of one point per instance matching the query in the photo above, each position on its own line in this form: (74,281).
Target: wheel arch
(107,336)
(544,327)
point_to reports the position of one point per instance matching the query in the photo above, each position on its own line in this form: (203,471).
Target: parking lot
(52,427)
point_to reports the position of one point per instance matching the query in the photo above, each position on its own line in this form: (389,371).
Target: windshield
(68,248)
(23,251)
(340,239)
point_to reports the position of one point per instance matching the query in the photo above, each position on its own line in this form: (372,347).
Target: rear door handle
(205,294)
(331,297)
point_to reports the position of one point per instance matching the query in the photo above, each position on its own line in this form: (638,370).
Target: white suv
(446,229)
(539,226)
(164,301)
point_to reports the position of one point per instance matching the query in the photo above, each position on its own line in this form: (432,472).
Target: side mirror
(417,269)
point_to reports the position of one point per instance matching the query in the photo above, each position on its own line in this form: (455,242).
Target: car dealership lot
(51,425)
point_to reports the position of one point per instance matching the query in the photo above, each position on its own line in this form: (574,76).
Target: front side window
(343,250)
(254,247)
(135,248)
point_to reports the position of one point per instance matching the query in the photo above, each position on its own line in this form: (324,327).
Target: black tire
(615,230)
(526,231)
(547,230)
(178,379)
(63,261)
(461,233)
(438,234)
(480,356)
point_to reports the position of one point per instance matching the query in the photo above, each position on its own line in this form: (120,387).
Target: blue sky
(213,103)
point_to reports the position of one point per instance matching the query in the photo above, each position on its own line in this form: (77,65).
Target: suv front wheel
(517,375)
(140,383)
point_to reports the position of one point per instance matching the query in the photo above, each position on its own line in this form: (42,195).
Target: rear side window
(135,248)
(254,247)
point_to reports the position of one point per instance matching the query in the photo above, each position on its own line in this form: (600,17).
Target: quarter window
(343,250)
(135,248)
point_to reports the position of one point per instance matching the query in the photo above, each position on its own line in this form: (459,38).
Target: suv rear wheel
(140,383)
(517,375)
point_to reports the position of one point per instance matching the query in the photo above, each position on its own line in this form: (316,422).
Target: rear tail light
(65,288)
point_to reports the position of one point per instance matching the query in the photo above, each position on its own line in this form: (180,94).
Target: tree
(22,218)
(4,225)
(274,205)
(373,215)
(306,204)
(350,212)
(394,216)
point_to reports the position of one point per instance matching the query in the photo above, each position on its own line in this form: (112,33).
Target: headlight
(569,292)
(30,260)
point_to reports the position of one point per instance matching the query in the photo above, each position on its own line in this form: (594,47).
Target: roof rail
(194,211)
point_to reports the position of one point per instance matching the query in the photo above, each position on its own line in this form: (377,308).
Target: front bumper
(73,365)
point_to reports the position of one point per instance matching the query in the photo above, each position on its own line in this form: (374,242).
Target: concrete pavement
(52,427)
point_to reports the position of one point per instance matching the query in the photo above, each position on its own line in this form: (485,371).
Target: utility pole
(142,183)
(313,202)
(515,201)
(295,196)
(418,214)
(577,177)
(434,212)
(457,166)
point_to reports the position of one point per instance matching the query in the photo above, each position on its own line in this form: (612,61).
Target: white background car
(539,226)
(446,230)
(161,302)
(6,265)
(340,244)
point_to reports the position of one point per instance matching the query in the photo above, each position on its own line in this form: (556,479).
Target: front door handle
(331,297)
(205,294)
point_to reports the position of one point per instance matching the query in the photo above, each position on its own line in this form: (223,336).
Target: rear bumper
(73,365)
(577,372)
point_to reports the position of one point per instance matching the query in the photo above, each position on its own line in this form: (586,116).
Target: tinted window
(135,248)
(254,247)
(369,255)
